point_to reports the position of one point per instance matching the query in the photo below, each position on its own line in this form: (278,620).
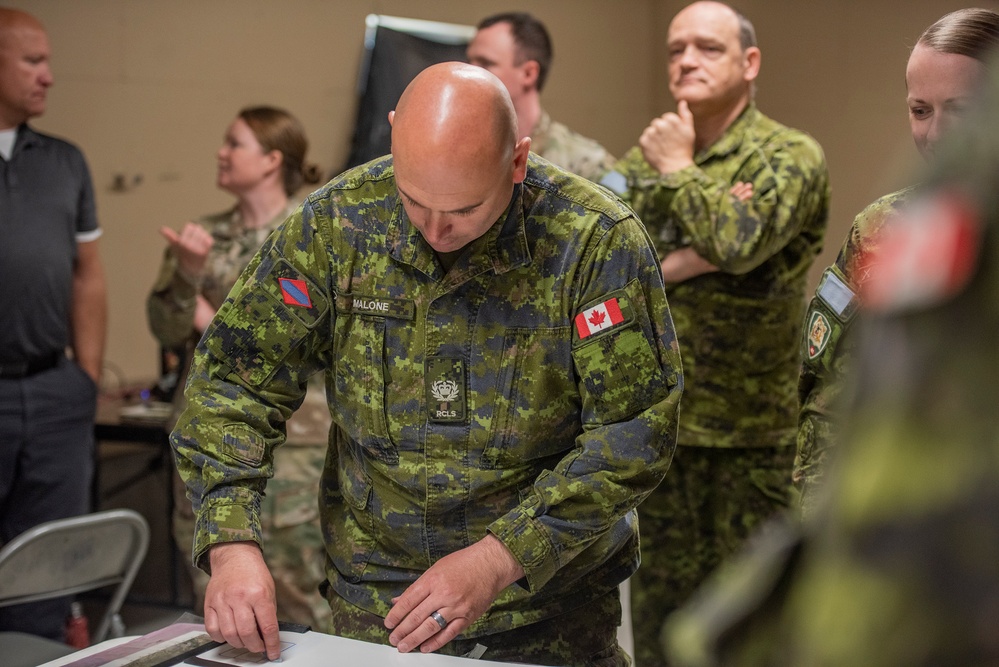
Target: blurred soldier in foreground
(899,566)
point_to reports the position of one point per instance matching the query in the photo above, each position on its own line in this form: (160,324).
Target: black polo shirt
(46,208)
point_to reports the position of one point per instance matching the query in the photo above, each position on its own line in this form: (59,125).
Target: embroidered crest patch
(445,385)
(295,292)
(818,334)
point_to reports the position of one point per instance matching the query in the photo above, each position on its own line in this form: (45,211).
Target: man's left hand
(460,587)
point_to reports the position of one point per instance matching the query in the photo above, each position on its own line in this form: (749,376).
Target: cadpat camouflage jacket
(825,351)
(738,327)
(530,392)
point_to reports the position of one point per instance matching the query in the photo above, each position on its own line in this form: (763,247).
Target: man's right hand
(668,142)
(191,246)
(240,606)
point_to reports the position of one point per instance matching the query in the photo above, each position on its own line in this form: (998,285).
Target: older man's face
(25,75)
(707,66)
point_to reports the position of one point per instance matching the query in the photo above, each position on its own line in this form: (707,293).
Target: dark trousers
(708,504)
(46,466)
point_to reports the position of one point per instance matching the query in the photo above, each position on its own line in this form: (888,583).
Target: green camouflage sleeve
(249,374)
(640,186)
(630,382)
(170,306)
(825,346)
(821,382)
(790,183)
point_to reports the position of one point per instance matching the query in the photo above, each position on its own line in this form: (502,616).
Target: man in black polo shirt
(52,296)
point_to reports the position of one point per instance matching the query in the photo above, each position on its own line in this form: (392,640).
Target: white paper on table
(312,649)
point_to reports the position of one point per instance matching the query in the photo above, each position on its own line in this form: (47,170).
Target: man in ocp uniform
(504,383)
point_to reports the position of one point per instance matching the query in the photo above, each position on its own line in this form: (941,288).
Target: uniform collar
(230,223)
(539,135)
(502,248)
(731,139)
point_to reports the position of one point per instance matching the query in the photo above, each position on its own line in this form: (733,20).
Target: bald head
(455,152)
(14,19)
(458,110)
(25,75)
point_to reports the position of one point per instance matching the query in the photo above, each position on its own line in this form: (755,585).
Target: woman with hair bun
(946,68)
(262,164)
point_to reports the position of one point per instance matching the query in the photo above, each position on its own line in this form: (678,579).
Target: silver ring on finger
(440,619)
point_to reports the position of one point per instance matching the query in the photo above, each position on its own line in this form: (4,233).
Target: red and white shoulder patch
(600,317)
(927,256)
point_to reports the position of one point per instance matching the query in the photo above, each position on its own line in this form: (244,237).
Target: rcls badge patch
(445,386)
(818,334)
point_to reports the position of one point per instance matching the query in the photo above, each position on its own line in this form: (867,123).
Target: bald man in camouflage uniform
(825,345)
(290,513)
(897,565)
(504,382)
(737,204)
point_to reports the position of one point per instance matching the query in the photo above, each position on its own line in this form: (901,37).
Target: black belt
(13,370)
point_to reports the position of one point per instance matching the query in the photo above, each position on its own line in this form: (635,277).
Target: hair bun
(311,173)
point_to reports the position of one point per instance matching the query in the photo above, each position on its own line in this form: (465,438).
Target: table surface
(111,425)
(308,426)
(310,649)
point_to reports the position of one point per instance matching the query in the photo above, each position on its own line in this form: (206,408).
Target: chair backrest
(69,556)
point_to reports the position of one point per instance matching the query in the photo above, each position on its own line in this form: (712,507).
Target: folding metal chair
(70,556)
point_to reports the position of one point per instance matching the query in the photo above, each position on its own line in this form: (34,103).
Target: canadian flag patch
(599,318)
(927,256)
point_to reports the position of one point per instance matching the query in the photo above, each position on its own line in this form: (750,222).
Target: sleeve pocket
(260,328)
(620,374)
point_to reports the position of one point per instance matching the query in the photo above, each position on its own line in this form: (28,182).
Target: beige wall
(146,88)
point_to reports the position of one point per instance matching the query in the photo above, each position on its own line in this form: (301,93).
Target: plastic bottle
(77,631)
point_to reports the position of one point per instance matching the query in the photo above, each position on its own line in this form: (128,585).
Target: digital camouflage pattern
(738,331)
(562,436)
(825,347)
(170,307)
(570,150)
(293,541)
(739,327)
(898,564)
(583,637)
(290,513)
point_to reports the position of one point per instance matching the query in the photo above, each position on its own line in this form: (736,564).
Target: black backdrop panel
(394,60)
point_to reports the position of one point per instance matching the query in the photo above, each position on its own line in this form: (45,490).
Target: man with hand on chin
(737,206)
